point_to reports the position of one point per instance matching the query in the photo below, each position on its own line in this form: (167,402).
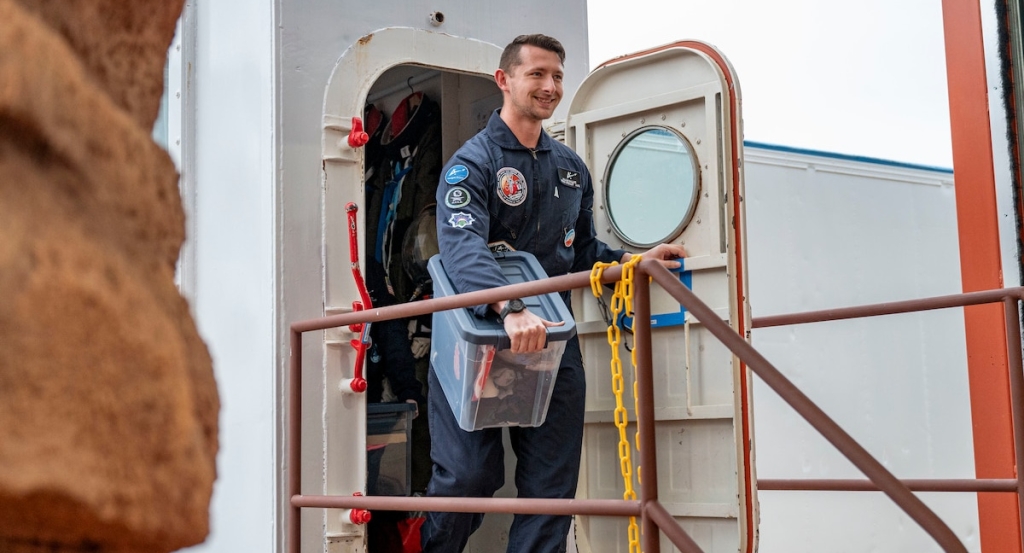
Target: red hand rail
(361,344)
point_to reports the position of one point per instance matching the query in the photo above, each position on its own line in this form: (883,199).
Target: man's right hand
(527,331)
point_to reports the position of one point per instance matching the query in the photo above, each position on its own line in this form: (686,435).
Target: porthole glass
(651,186)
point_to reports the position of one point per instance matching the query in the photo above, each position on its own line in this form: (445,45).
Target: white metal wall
(228,170)
(827,232)
(1007,216)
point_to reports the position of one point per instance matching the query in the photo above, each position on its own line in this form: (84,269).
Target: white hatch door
(660,131)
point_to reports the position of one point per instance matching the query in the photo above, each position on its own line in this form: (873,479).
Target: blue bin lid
(517,267)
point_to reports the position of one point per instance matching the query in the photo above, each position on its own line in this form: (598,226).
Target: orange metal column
(980,269)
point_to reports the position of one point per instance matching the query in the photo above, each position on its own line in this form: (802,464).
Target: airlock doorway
(704,392)
(430,92)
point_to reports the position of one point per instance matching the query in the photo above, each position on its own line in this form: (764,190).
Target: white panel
(857,521)
(832,232)
(228,81)
(710,370)
(696,403)
(1001,164)
(702,470)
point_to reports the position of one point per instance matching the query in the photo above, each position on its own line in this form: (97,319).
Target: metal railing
(654,517)
(1009,297)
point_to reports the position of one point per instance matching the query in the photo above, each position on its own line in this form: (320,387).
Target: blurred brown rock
(108,407)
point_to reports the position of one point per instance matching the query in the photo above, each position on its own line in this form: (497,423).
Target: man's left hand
(667,254)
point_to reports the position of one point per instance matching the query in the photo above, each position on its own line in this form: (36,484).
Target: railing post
(655,516)
(1013,347)
(649,536)
(294,440)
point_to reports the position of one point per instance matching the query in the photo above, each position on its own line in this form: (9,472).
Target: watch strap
(511,306)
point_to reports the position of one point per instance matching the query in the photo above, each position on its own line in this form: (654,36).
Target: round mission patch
(456,197)
(456,174)
(511,186)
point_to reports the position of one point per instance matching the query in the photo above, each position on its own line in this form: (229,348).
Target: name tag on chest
(569,178)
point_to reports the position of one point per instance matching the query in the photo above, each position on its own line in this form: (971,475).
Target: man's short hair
(510,56)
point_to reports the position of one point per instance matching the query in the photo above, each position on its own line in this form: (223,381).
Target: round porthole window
(651,186)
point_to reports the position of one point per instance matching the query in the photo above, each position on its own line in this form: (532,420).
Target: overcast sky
(862,78)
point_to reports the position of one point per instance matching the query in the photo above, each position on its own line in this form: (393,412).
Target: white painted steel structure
(830,231)
(700,389)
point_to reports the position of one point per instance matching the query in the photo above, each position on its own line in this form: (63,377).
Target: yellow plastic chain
(622,302)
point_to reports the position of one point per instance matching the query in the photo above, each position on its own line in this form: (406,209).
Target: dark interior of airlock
(416,118)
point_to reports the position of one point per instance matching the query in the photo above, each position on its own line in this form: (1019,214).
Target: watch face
(511,306)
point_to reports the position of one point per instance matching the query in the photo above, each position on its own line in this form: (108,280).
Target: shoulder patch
(456,197)
(461,220)
(511,186)
(456,174)
(569,178)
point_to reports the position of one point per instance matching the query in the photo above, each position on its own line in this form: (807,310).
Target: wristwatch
(511,306)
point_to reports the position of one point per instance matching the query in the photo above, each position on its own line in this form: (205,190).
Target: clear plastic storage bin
(389,448)
(485,384)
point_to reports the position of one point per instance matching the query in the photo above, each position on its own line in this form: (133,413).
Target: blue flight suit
(497,194)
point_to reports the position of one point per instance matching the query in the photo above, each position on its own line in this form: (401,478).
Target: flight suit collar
(503,136)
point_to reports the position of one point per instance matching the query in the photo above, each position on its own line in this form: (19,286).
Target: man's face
(535,85)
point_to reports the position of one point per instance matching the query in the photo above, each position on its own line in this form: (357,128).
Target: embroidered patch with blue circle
(456,174)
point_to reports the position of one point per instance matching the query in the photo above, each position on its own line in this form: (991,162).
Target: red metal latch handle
(358,383)
(357,137)
(359,516)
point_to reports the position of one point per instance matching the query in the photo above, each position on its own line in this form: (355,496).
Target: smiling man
(512,187)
